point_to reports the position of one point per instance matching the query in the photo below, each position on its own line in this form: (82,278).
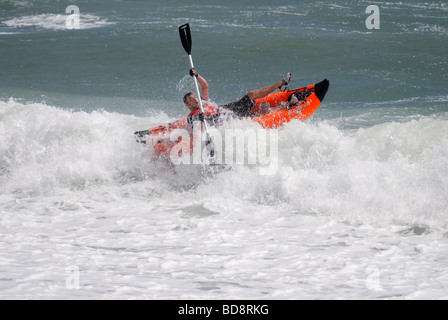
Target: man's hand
(193,73)
(202,82)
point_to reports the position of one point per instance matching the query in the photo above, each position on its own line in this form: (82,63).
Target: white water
(55,21)
(349,214)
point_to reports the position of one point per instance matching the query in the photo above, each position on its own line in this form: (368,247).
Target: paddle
(185,37)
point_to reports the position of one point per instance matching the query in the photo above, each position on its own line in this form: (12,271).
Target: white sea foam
(393,169)
(56,21)
(349,214)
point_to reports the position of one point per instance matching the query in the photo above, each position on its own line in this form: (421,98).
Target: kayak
(294,104)
(270,112)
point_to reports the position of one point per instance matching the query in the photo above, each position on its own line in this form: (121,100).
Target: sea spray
(45,147)
(389,173)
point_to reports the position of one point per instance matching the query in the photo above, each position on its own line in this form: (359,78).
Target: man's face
(192,102)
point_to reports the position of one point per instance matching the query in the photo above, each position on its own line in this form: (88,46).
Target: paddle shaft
(185,37)
(201,107)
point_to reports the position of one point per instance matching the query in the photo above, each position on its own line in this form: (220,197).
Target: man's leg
(263,92)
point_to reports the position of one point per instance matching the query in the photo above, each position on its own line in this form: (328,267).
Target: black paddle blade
(185,37)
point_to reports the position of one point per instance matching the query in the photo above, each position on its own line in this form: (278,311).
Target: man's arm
(203,83)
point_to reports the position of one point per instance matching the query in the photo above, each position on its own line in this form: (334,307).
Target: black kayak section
(321,89)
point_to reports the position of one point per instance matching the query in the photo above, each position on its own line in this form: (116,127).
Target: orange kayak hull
(303,110)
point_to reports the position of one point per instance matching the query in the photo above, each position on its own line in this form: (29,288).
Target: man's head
(191,101)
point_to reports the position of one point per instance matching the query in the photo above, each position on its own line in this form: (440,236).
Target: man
(241,108)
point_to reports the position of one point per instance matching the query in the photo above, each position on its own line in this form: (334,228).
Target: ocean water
(358,208)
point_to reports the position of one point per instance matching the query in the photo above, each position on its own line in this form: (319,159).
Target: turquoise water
(130,50)
(357,208)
